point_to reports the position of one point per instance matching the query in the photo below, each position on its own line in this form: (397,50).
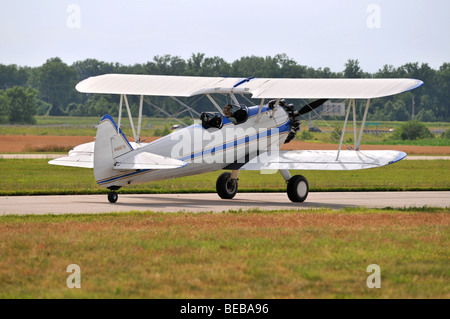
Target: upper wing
(163,85)
(323,160)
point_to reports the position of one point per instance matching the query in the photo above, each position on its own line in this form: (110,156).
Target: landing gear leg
(297,186)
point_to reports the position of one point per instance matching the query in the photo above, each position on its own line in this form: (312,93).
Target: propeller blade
(311,106)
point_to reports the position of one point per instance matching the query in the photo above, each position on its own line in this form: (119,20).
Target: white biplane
(248,139)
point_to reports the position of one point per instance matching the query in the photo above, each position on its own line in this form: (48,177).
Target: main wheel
(297,188)
(113,197)
(225,186)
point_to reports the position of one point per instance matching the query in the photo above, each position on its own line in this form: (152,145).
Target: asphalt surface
(91,204)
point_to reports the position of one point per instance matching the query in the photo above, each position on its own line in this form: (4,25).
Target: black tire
(113,197)
(225,186)
(297,188)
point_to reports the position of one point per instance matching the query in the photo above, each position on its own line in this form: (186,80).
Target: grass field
(26,177)
(316,253)
(369,139)
(80,126)
(292,254)
(62,131)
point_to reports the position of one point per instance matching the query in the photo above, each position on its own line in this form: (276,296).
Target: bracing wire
(319,116)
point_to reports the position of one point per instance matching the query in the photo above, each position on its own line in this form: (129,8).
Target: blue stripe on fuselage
(252,111)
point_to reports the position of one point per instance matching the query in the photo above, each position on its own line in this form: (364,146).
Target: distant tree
(22,105)
(215,66)
(194,64)
(388,71)
(353,70)
(425,115)
(390,111)
(399,112)
(412,130)
(165,65)
(55,81)
(97,105)
(248,66)
(92,67)
(306,135)
(378,114)
(446,134)
(289,68)
(42,107)
(336,133)
(162,132)
(75,109)
(187,120)
(443,92)
(4,108)
(12,75)
(429,108)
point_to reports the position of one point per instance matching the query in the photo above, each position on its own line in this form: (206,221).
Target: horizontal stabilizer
(85,161)
(324,160)
(80,156)
(146,160)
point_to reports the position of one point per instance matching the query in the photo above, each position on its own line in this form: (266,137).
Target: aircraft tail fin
(110,143)
(114,156)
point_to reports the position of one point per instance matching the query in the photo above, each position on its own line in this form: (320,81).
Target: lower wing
(322,160)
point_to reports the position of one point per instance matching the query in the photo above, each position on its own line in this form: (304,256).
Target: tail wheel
(297,188)
(113,197)
(226,187)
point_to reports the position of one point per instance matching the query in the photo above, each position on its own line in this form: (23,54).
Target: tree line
(50,88)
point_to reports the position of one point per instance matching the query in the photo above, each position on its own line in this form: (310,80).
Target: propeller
(294,114)
(311,106)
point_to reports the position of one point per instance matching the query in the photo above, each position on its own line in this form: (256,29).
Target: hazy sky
(318,33)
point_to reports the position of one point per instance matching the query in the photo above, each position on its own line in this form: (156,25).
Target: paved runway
(76,204)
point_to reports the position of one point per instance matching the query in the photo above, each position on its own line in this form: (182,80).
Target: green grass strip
(37,177)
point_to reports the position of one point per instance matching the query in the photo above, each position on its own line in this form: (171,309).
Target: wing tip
(400,156)
(418,83)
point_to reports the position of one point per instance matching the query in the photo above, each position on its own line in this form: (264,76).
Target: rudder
(110,143)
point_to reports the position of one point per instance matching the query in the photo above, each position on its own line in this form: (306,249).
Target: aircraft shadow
(163,202)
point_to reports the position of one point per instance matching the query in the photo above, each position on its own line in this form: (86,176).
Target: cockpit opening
(217,120)
(241,115)
(237,117)
(210,119)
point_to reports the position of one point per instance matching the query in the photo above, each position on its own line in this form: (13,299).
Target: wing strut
(137,135)
(123,97)
(354,124)
(215,103)
(235,101)
(362,124)
(259,110)
(275,107)
(345,126)
(357,139)
(141,103)
(120,112)
(130,117)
